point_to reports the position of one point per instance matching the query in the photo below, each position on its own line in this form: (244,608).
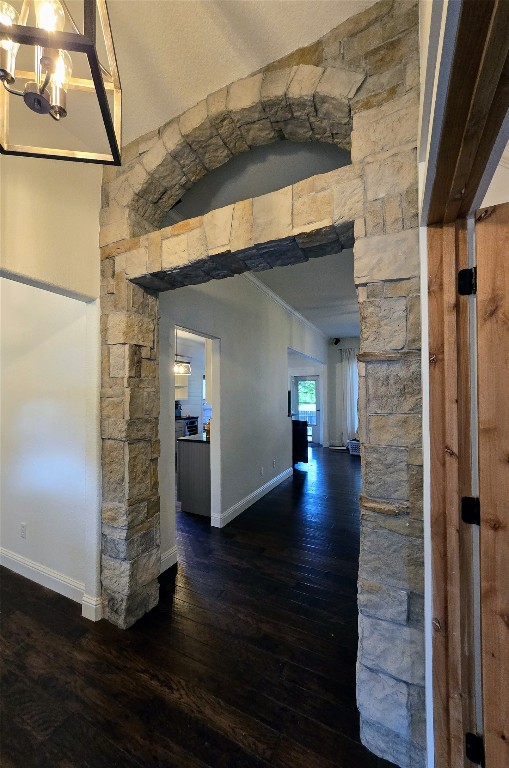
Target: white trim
(278,300)
(426,448)
(92,608)
(43,575)
(168,558)
(45,285)
(219,521)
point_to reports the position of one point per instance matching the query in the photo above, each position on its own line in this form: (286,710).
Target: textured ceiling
(173,53)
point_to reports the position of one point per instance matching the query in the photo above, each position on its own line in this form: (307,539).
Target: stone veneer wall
(360,82)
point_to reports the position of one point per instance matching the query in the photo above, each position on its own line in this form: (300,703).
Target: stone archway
(374,202)
(301,103)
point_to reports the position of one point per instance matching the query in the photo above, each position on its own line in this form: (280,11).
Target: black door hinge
(467,281)
(471,510)
(474,748)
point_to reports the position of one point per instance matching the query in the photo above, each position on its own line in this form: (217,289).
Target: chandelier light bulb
(49,15)
(59,82)
(8,17)
(63,70)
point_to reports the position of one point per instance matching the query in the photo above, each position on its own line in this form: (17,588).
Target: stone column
(390,669)
(130,561)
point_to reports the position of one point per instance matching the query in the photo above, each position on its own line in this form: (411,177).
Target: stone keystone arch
(360,90)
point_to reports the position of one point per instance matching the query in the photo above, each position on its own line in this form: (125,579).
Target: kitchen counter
(193,474)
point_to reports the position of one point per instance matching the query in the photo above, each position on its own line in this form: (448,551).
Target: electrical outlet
(23,530)
(273,463)
(261,471)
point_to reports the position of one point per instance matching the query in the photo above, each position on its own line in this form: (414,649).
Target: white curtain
(347,392)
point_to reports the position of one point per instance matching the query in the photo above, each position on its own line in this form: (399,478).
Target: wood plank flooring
(248,661)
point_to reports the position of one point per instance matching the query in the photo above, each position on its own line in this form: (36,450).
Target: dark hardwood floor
(248,661)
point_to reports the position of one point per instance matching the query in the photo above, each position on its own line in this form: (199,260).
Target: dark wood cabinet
(299,442)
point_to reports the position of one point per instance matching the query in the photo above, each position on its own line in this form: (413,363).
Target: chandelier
(50,38)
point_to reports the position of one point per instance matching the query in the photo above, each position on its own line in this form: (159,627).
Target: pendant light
(45,26)
(181,367)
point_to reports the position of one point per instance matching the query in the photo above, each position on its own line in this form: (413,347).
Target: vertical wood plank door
(492,247)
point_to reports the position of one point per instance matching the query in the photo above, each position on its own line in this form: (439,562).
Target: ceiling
(322,290)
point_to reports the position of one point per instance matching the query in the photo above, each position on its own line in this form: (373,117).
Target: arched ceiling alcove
(257,172)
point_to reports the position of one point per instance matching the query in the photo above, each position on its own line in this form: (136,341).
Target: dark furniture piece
(299,442)
(191,425)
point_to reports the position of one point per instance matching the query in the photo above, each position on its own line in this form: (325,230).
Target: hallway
(249,659)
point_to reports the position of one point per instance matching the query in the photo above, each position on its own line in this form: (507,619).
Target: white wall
(498,191)
(49,214)
(49,245)
(49,440)
(255,333)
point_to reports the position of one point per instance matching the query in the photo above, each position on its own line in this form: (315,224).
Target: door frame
(317,429)
(167,475)
(466,139)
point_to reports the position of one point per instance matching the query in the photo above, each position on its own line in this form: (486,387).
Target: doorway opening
(306,387)
(194,485)
(192,411)
(307,400)
(192,449)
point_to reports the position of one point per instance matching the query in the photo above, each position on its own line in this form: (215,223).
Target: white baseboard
(168,559)
(92,608)
(43,575)
(219,521)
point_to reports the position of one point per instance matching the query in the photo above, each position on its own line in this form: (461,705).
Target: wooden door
(492,251)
